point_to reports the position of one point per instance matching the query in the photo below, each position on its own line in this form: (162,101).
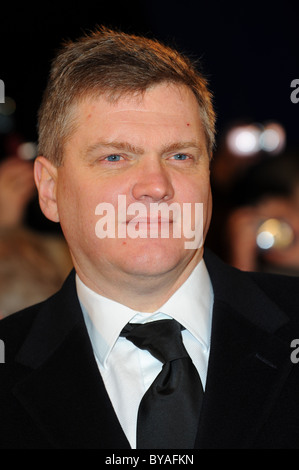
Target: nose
(152,182)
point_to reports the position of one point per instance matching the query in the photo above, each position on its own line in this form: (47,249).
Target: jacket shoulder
(261,297)
(54,313)
(20,322)
(15,327)
(283,290)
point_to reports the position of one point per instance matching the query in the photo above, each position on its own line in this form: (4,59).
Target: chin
(155,259)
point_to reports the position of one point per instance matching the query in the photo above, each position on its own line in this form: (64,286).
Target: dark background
(249,51)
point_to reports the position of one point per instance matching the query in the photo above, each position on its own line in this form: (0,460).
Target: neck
(142,293)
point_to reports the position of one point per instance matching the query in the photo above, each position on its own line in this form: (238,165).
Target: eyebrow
(128,147)
(125,146)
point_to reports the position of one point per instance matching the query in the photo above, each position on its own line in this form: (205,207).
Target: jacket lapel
(64,392)
(248,362)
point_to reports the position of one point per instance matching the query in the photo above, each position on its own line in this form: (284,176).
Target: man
(127,117)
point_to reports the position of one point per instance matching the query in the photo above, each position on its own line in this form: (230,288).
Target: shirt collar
(191,305)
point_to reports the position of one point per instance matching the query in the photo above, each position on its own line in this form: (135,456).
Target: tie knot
(161,338)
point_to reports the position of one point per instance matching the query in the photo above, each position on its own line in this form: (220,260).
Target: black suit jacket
(52,395)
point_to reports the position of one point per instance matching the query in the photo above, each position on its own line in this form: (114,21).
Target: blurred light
(274,233)
(9,107)
(250,139)
(265,240)
(269,140)
(244,140)
(273,138)
(27,151)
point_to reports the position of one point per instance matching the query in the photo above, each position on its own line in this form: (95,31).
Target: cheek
(75,208)
(78,215)
(197,190)
(194,189)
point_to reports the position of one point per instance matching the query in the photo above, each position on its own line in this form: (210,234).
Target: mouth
(149,221)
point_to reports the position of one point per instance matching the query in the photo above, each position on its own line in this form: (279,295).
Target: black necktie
(168,414)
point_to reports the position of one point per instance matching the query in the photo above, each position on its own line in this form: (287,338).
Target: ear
(45,175)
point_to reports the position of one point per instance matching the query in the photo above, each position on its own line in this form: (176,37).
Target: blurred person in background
(255,181)
(32,265)
(262,230)
(17,189)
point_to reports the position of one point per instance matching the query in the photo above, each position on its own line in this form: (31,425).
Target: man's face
(147,149)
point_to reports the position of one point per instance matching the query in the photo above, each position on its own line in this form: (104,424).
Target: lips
(149,220)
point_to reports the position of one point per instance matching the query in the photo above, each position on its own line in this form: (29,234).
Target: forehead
(161,112)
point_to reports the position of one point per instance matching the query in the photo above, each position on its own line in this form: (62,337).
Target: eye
(181,157)
(113,158)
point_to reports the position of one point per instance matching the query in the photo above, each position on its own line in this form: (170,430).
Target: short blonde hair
(112,63)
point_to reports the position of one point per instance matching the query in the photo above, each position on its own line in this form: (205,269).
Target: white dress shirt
(127,371)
